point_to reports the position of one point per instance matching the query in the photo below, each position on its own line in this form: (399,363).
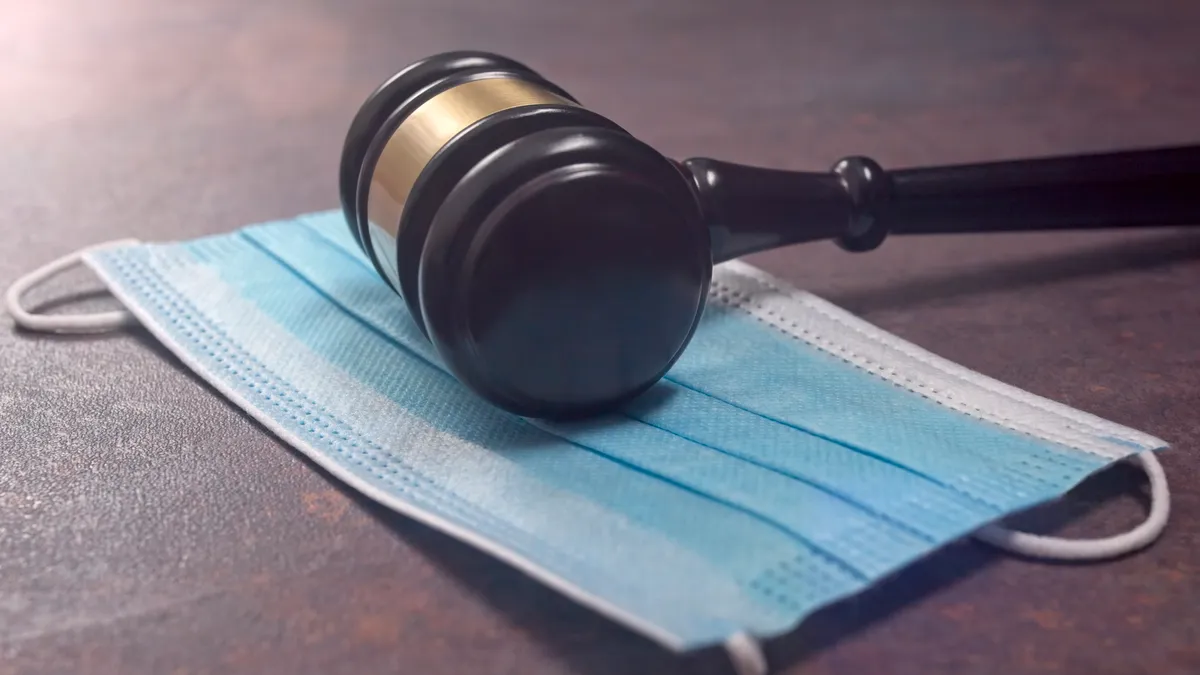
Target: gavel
(560,266)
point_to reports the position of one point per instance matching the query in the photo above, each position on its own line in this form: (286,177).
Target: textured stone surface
(148,527)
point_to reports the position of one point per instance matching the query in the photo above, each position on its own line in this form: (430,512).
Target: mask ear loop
(746,654)
(71,323)
(1057,548)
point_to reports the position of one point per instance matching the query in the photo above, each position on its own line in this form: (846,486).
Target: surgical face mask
(794,455)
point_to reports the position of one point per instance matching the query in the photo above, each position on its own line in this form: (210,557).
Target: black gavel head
(558,265)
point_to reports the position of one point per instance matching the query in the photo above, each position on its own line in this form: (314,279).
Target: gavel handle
(858,203)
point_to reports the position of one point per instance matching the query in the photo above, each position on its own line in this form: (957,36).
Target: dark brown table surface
(146,526)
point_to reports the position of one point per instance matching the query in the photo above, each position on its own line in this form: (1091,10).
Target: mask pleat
(733,358)
(842,531)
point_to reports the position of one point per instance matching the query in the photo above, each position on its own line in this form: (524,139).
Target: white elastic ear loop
(745,654)
(1056,548)
(71,323)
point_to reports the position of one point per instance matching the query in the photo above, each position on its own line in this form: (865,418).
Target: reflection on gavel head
(558,264)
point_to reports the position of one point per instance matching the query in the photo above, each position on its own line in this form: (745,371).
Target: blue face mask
(793,456)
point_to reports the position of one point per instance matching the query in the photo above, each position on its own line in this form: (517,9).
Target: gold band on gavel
(430,127)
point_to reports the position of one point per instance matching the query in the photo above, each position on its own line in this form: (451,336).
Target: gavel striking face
(560,266)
